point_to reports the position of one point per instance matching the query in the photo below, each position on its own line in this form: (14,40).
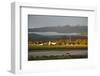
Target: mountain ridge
(61,29)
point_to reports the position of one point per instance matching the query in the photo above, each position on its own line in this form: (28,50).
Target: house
(51,43)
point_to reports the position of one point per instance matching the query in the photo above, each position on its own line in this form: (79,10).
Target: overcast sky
(35,21)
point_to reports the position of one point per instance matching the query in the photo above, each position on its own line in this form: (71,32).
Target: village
(76,43)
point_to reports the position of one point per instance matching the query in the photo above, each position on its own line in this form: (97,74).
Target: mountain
(61,29)
(33,36)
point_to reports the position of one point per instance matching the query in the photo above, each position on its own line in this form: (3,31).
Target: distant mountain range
(56,32)
(33,36)
(61,29)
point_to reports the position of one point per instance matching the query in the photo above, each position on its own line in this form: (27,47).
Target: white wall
(5,32)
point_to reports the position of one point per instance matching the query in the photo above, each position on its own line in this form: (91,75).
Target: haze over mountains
(61,29)
(56,32)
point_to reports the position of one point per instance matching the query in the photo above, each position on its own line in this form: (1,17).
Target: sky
(36,21)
